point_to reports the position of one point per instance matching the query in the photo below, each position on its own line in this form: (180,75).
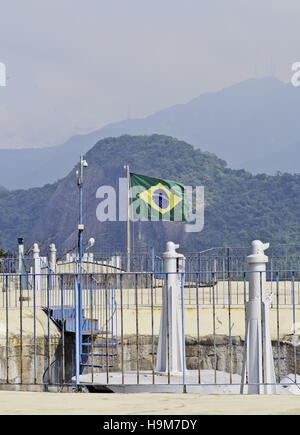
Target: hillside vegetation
(240,207)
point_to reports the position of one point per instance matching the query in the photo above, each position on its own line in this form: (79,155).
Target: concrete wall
(202,354)
(24,360)
(27,361)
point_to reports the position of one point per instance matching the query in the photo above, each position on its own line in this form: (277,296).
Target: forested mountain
(252,125)
(240,206)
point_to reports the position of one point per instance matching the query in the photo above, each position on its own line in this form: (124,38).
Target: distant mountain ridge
(250,125)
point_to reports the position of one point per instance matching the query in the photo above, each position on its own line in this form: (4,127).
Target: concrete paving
(208,379)
(15,403)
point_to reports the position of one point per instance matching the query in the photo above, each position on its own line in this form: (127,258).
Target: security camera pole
(78,284)
(83,164)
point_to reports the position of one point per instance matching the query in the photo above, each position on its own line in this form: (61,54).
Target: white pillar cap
(257,252)
(36,248)
(52,247)
(171,251)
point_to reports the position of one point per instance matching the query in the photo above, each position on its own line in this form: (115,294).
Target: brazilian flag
(158,199)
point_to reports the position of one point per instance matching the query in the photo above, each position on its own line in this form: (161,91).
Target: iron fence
(114,320)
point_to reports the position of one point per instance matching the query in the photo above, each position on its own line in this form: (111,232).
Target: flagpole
(128,219)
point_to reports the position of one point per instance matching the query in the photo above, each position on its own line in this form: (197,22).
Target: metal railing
(122,314)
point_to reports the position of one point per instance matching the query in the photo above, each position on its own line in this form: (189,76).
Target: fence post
(171,322)
(52,266)
(258,356)
(77,330)
(20,254)
(52,257)
(37,266)
(21,264)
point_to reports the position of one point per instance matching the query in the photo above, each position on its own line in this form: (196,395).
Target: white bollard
(20,254)
(37,266)
(116,261)
(258,359)
(52,257)
(170,334)
(52,266)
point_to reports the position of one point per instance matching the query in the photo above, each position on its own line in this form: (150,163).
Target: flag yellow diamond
(160,198)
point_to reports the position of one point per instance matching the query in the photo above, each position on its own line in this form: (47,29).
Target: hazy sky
(74,66)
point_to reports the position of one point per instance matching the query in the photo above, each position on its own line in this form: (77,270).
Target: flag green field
(158,199)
